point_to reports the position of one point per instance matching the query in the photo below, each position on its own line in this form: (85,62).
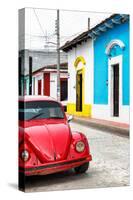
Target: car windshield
(40,110)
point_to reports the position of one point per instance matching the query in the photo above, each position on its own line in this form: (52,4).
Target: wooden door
(47,84)
(79,92)
(39,87)
(63,89)
(116,90)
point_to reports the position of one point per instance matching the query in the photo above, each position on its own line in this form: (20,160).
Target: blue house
(111,68)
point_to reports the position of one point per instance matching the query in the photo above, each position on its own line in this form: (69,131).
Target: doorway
(63,89)
(47,84)
(115,90)
(79,91)
(39,87)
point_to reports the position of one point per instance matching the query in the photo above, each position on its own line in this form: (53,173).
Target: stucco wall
(120,32)
(85,50)
(53,85)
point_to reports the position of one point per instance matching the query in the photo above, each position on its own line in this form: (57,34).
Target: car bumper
(54,167)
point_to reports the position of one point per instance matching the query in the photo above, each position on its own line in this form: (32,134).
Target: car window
(40,110)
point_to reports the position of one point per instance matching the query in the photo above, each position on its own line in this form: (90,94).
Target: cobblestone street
(109,167)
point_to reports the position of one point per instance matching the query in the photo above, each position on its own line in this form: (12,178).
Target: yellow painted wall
(86,111)
(86,108)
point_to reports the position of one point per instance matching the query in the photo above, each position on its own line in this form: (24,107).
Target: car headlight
(25,155)
(80,146)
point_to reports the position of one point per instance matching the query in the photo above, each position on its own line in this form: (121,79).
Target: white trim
(111,62)
(113,43)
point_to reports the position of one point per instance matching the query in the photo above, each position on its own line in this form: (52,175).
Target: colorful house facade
(98,63)
(45,81)
(80,79)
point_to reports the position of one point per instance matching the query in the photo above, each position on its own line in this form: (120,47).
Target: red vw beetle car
(46,143)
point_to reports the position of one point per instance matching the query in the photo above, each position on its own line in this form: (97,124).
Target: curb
(103,127)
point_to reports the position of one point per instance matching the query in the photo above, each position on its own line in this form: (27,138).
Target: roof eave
(94,32)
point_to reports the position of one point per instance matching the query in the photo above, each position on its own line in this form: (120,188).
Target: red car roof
(36,98)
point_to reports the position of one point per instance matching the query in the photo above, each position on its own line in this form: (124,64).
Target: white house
(44,81)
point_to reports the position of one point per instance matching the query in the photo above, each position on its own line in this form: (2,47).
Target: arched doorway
(80,77)
(79,91)
(115,77)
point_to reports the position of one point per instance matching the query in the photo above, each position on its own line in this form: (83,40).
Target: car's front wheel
(82,168)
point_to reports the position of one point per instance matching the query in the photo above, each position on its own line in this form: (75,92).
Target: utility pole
(30,75)
(58,54)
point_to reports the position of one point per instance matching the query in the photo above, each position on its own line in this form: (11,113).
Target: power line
(39,22)
(36,37)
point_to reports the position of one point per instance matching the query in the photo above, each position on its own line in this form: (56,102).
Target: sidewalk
(104,125)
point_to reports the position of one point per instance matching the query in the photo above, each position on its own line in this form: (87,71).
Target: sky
(40,26)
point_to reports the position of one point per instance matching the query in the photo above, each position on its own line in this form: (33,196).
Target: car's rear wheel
(82,168)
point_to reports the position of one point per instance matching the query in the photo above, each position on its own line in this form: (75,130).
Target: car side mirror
(70,117)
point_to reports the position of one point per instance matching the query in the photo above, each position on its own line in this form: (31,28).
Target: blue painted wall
(120,32)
